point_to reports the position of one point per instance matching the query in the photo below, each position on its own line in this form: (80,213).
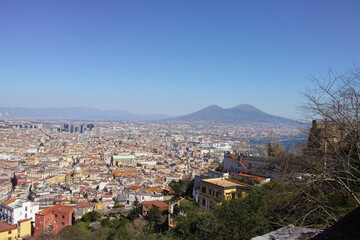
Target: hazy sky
(171,57)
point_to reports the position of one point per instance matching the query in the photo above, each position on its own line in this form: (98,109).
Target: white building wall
(130,198)
(18,210)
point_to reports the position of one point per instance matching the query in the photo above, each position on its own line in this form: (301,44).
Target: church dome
(77,169)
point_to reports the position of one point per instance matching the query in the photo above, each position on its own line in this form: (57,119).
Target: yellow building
(56,179)
(99,206)
(24,228)
(31,159)
(215,190)
(67,177)
(8,232)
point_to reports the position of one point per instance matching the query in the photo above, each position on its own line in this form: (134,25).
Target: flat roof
(222,182)
(119,157)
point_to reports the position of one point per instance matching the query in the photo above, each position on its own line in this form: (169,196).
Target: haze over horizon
(239,114)
(173,57)
(245,105)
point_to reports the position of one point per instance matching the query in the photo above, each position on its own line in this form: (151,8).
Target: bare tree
(333,153)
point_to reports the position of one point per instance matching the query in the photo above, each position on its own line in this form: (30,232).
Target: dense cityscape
(177,120)
(93,165)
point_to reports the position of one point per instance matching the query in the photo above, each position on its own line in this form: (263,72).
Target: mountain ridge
(240,114)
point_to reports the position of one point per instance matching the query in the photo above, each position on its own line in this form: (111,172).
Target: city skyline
(172,58)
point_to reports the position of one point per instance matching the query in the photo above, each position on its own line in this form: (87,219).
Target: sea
(289,142)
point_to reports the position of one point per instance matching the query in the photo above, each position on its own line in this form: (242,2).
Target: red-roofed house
(53,219)
(147,205)
(134,188)
(8,231)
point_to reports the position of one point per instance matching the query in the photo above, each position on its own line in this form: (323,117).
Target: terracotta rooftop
(152,189)
(24,220)
(8,201)
(6,227)
(134,187)
(157,203)
(84,205)
(57,208)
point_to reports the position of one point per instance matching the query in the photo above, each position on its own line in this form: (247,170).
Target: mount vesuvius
(240,114)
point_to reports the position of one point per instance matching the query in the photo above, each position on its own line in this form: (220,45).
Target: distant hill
(243,113)
(240,114)
(76,113)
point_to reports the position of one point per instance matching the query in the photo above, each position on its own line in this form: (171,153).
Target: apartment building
(215,190)
(13,211)
(53,219)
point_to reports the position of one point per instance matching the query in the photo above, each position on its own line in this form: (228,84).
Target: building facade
(215,190)
(53,219)
(8,232)
(123,160)
(140,196)
(13,211)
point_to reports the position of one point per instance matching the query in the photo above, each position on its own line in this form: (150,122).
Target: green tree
(154,214)
(75,232)
(178,188)
(135,211)
(266,208)
(90,217)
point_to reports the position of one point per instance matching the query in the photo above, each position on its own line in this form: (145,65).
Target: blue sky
(171,57)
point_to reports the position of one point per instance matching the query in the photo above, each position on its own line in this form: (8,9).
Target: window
(63,216)
(62,224)
(209,191)
(203,202)
(26,209)
(203,189)
(9,232)
(217,194)
(55,215)
(25,215)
